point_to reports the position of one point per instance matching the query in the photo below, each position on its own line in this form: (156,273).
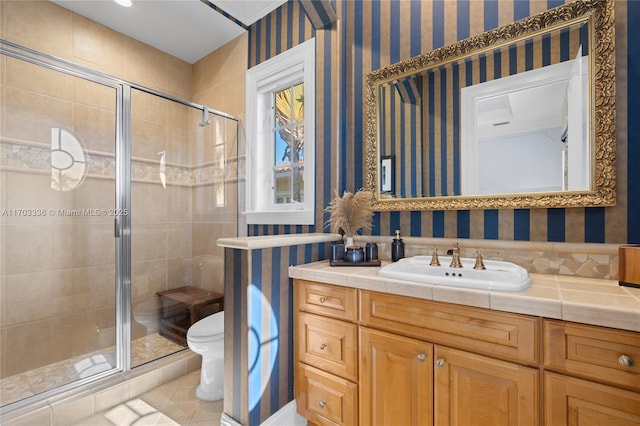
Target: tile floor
(23,385)
(173,403)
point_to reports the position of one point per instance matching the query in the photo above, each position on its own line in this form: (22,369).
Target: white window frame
(263,80)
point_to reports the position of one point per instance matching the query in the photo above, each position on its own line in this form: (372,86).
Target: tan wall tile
(94,287)
(95,128)
(147,278)
(148,241)
(179,78)
(97,45)
(33,191)
(84,245)
(148,203)
(179,272)
(36,344)
(39,248)
(39,295)
(145,65)
(40,25)
(177,148)
(147,107)
(93,244)
(178,116)
(95,194)
(179,203)
(147,139)
(93,94)
(178,240)
(37,79)
(31,116)
(208,273)
(93,330)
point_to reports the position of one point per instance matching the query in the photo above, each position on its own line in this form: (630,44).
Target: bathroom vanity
(371,350)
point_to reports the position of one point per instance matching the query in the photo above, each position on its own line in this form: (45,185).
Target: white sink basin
(503,276)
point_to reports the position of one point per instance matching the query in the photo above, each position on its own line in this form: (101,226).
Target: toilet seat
(209,328)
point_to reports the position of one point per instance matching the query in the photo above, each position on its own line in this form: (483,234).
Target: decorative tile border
(573,259)
(36,157)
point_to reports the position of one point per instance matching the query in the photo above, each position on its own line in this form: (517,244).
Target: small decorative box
(629,265)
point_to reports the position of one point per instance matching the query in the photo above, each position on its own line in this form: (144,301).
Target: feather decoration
(351,212)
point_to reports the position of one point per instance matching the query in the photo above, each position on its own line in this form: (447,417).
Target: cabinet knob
(322,403)
(323,299)
(626,361)
(322,346)
(422,357)
(440,362)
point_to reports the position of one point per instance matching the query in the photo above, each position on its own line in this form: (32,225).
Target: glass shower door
(183,198)
(57,247)
(161,217)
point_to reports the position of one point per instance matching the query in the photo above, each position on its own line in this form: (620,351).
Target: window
(281,138)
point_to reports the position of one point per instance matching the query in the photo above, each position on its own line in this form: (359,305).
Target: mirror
(519,117)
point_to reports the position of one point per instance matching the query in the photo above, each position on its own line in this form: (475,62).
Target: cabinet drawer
(571,401)
(329,344)
(499,334)
(324,299)
(324,399)
(598,353)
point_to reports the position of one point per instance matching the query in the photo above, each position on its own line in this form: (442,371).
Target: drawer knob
(323,299)
(322,346)
(440,362)
(322,403)
(626,361)
(422,357)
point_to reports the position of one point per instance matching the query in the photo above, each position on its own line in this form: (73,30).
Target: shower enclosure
(109,193)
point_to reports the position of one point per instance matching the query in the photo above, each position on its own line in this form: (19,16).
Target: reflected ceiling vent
(495,110)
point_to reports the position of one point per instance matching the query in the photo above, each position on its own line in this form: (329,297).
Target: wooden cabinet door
(577,402)
(473,389)
(396,380)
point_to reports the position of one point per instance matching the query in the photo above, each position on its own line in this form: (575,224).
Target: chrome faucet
(455,258)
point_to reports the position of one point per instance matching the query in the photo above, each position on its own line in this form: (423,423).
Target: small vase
(349,242)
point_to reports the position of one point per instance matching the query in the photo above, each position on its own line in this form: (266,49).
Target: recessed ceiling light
(125,3)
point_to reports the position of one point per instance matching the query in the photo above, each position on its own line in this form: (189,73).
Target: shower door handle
(116,227)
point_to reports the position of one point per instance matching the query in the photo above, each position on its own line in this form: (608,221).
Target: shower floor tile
(42,379)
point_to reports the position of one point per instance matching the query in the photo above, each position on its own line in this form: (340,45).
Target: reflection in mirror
(532,127)
(505,119)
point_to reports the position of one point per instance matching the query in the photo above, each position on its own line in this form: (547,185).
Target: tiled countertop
(585,300)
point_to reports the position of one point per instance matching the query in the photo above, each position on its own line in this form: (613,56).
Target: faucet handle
(479,263)
(455,259)
(434,258)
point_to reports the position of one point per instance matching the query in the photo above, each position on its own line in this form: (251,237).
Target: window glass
(289,145)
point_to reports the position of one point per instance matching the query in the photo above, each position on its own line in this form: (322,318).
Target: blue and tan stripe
(432,24)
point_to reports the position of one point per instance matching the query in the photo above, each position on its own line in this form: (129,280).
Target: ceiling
(186,29)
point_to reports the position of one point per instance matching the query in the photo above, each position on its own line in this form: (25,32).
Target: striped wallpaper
(259,329)
(369,35)
(372,34)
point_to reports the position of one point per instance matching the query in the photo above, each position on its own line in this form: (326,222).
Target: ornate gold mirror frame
(600,16)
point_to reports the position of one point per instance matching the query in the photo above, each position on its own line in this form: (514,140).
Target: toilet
(146,314)
(206,337)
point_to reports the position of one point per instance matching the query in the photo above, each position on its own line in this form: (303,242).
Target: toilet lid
(208,326)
